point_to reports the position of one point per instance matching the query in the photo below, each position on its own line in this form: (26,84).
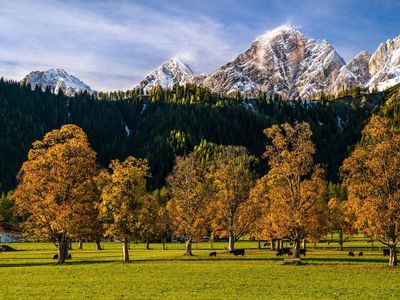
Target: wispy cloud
(102,42)
(114,44)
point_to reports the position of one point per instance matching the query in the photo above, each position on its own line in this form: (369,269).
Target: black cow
(360,253)
(281,252)
(237,252)
(214,253)
(351,253)
(69,256)
(386,252)
(303,252)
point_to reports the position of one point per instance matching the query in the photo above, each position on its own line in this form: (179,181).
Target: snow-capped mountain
(384,65)
(169,73)
(56,79)
(285,61)
(282,61)
(354,73)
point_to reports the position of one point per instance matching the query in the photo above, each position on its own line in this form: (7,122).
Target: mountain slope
(282,61)
(384,65)
(287,62)
(169,73)
(56,79)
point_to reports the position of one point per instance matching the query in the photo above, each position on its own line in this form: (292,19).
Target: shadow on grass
(307,261)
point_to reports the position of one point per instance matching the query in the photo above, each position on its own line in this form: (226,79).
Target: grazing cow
(237,252)
(69,256)
(55,256)
(267,244)
(351,253)
(386,252)
(360,253)
(214,253)
(283,251)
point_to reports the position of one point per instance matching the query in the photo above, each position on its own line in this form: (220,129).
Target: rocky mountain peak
(57,79)
(171,72)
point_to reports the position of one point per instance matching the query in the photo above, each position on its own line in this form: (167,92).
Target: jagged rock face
(354,73)
(56,79)
(285,61)
(384,65)
(282,61)
(169,73)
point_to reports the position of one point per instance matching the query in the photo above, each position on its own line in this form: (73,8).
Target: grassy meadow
(166,274)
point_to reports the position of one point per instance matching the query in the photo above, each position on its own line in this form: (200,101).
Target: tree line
(64,194)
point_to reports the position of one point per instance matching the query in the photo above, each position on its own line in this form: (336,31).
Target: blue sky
(113,44)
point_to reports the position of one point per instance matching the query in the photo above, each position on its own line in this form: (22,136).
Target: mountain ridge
(287,62)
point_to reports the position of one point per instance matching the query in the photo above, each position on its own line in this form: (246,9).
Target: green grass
(328,274)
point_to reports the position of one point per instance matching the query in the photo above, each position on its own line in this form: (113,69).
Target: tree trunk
(304,243)
(296,248)
(273,242)
(80,245)
(125,249)
(231,246)
(98,246)
(147,245)
(62,251)
(188,247)
(393,256)
(163,244)
(341,240)
(278,244)
(69,245)
(259,245)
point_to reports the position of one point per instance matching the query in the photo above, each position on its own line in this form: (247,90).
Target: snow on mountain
(169,73)
(384,65)
(281,61)
(354,73)
(286,61)
(56,79)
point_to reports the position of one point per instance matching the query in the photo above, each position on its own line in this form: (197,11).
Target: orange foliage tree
(56,187)
(189,199)
(296,187)
(123,192)
(372,176)
(231,210)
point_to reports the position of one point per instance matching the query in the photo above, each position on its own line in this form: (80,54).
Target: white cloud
(109,46)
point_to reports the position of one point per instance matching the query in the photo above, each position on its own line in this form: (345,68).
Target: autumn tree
(372,177)
(296,187)
(189,198)
(123,192)
(340,218)
(231,210)
(152,220)
(56,187)
(261,228)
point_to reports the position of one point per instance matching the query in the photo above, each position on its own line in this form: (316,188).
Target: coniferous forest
(163,124)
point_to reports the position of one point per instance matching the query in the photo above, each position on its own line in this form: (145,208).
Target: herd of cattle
(288,251)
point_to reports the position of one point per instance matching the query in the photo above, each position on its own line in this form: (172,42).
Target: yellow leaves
(189,197)
(56,187)
(372,176)
(295,188)
(123,191)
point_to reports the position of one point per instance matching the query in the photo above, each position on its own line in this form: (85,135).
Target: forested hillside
(167,123)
